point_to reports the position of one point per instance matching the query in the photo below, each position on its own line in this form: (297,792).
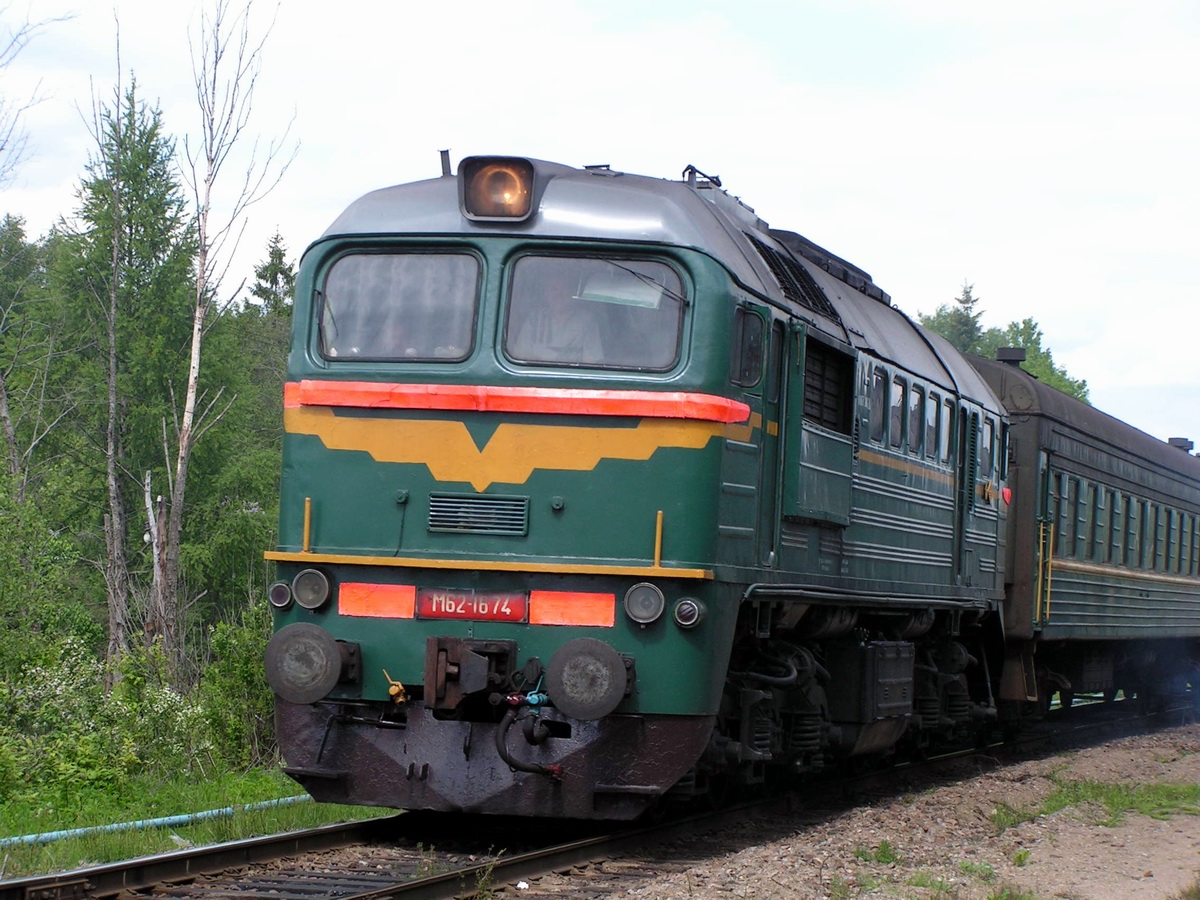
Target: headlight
(644,603)
(688,613)
(310,588)
(495,188)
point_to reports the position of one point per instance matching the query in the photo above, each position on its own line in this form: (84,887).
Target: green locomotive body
(596,488)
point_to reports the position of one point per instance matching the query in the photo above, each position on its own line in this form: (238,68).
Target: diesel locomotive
(598,490)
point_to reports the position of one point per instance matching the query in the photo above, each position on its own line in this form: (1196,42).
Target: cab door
(772,435)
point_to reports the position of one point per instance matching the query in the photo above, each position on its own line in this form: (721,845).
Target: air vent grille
(473,514)
(798,285)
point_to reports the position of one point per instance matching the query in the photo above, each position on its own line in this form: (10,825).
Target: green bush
(233,692)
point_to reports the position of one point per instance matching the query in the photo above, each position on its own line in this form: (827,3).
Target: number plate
(476,605)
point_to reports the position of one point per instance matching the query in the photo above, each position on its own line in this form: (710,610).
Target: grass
(885,853)
(1012,893)
(1158,801)
(1191,892)
(978,870)
(930,882)
(146,800)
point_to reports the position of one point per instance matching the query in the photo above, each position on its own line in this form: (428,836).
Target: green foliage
(960,325)
(67,739)
(234,695)
(1021,857)
(40,600)
(274,279)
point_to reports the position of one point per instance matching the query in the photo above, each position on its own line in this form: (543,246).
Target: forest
(140,426)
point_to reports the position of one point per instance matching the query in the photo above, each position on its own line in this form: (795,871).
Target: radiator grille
(472,514)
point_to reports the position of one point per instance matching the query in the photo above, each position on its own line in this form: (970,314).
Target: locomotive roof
(599,203)
(596,203)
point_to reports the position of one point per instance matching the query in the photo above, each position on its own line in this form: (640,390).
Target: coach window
(896,424)
(916,419)
(932,405)
(1186,524)
(945,438)
(987,448)
(878,401)
(1133,531)
(1158,557)
(1116,532)
(1066,521)
(1100,523)
(401,306)
(1084,493)
(1195,545)
(1171,544)
(1147,543)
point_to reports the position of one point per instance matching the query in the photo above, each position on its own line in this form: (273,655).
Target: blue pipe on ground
(163,822)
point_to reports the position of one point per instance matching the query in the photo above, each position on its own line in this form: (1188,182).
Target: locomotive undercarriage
(822,686)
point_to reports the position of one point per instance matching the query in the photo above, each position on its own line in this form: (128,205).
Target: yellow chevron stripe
(514,450)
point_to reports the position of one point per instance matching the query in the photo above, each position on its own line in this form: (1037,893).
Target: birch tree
(226,64)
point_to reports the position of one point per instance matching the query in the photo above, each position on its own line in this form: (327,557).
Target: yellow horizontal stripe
(912,468)
(1070,565)
(487,565)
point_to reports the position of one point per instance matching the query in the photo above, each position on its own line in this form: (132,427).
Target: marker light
(644,603)
(496,188)
(280,595)
(688,613)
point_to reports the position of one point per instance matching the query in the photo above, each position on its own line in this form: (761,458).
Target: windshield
(389,306)
(585,311)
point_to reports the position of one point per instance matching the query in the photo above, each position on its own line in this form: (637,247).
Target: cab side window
(747,369)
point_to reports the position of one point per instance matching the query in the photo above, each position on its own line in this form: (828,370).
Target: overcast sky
(1046,152)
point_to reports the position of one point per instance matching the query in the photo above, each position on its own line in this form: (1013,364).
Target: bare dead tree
(13,139)
(226,64)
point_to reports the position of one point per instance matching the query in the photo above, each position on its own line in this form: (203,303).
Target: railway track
(428,855)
